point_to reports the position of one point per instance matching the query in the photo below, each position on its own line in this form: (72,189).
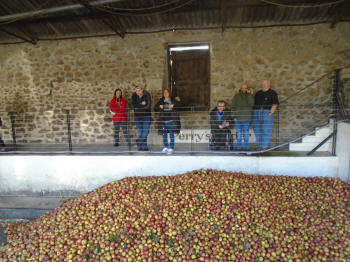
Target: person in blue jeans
(265,106)
(241,108)
(141,103)
(168,120)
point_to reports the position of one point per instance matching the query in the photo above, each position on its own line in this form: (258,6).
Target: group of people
(168,122)
(245,108)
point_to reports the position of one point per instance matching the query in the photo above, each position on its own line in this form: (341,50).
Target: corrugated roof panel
(196,14)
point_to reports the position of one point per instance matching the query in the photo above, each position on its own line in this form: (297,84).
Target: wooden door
(189,77)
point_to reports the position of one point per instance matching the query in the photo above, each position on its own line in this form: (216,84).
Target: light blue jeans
(263,126)
(242,128)
(168,129)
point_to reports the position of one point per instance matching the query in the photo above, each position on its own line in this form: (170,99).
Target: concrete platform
(23,207)
(29,202)
(3,236)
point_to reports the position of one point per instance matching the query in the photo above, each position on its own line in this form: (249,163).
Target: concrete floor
(21,207)
(3,236)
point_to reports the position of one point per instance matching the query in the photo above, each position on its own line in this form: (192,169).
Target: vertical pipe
(335,108)
(69,131)
(13,129)
(192,129)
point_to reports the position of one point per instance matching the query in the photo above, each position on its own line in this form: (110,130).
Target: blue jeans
(242,128)
(167,129)
(142,127)
(262,125)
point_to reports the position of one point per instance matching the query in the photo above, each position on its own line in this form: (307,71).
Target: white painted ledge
(85,173)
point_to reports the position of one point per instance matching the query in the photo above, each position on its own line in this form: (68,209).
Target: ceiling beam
(53,10)
(27,37)
(113,23)
(339,12)
(223,15)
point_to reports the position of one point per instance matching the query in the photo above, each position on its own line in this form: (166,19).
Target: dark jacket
(168,115)
(215,122)
(139,109)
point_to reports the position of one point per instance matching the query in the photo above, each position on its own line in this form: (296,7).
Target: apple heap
(203,215)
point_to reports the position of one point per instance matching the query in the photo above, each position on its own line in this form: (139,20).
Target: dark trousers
(2,144)
(124,127)
(220,137)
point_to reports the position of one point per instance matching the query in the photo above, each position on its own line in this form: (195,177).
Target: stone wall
(40,82)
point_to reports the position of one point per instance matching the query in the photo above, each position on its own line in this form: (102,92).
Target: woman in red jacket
(118,110)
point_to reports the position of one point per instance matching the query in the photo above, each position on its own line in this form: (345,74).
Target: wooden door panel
(190,77)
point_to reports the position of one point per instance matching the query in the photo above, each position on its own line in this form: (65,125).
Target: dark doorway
(189,73)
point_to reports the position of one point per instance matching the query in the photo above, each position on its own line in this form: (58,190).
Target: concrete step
(310,142)
(314,139)
(325,131)
(308,147)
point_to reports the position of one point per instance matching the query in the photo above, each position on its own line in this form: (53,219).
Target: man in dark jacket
(141,103)
(220,120)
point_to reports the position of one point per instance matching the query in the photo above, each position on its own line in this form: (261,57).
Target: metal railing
(91,130)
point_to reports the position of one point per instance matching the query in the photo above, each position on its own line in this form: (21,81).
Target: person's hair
(115,93)
(248,87)
(139,87)
(167,89)
(221,102)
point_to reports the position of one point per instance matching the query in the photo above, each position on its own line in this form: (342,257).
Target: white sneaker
(170,151)
(165,150)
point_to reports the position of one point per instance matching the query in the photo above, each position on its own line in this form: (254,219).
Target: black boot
(2,145)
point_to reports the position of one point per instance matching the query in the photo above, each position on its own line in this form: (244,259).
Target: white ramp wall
(343,150)
(85,173)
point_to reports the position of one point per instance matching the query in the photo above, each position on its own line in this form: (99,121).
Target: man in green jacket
(241,107)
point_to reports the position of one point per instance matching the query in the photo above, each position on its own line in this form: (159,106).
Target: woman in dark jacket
(118,109)
(169,120)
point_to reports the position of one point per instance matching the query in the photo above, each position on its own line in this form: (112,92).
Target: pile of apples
(203,215)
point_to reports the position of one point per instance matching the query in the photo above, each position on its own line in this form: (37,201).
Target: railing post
(278,126)
(69,131)
(335,105)
(128,129)
(192,129)
(13,129)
